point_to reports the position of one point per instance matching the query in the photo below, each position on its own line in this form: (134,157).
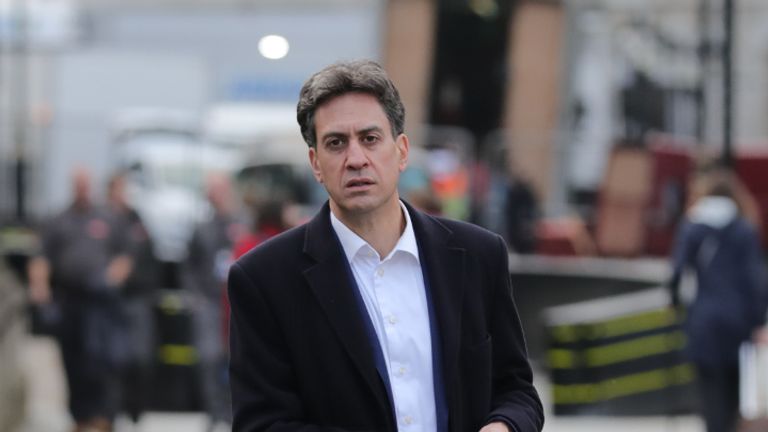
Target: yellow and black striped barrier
(621,355)
(176,356)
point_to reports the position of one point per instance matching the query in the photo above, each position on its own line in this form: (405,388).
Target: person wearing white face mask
(723,247)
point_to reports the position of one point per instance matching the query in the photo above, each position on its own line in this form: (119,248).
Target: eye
(334,143)
(371,139)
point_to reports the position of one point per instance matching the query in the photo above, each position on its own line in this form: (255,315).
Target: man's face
(219,192)
(356,158)
(117,191)
(81,184)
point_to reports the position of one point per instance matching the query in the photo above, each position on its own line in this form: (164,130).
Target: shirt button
(392,319)
(408,420)
(401,371)
(379,272)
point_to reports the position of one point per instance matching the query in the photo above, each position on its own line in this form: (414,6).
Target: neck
(381,229)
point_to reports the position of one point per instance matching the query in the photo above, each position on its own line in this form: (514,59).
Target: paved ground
(46,410)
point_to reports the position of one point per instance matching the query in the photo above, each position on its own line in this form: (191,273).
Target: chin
(358,205)
(358,208)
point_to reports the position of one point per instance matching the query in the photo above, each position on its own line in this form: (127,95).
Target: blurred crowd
(94,284)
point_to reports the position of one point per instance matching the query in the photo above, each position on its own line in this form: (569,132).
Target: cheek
(330,172)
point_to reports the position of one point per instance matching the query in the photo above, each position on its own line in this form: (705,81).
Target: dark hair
(359,76)
(269,214)
(722,188)
(717,180)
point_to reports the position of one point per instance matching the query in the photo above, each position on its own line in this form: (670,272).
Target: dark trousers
(93,389)
(136,389)
(719,397)
(137,373)
(214,388)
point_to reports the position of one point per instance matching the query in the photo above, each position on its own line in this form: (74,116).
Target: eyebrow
(370,129)
(362,131)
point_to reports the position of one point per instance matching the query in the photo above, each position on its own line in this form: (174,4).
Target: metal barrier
(619,355)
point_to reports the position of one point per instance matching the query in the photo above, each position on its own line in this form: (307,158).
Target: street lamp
(727,156)
(19,104)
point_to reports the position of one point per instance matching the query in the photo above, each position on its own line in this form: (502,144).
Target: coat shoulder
(469,235)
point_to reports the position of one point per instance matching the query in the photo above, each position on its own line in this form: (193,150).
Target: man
(210,252)
(137,298)
(373,316)
(84,258)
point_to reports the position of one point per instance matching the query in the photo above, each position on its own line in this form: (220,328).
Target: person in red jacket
(269,220)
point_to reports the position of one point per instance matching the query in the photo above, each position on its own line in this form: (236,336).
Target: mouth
(359,183)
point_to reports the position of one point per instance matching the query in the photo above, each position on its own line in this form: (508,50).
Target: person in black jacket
(374,316)
(204,276)
(136,300)
(83,266)
(723,248)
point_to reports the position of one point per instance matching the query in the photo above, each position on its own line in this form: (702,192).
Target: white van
(167,162)
(275,157)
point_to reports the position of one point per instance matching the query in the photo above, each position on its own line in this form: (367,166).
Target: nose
(356,157)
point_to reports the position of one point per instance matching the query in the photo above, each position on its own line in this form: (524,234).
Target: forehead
(350,111)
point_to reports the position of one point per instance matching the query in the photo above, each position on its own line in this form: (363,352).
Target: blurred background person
(723,248)
(138,295)
(83,265)
(425,200)
(521,212)
(204,278)
(269,219)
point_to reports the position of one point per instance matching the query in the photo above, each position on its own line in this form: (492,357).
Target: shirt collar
(353,243)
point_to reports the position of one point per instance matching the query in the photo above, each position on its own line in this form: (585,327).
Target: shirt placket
(399,369)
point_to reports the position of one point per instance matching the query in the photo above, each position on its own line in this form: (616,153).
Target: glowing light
(273,47)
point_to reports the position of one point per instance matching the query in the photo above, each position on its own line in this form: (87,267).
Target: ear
(403,146)
(315,164)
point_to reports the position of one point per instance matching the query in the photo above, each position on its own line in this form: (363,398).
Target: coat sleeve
(263,385)
(514,399)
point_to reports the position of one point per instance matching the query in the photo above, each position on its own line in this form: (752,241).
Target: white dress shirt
(394,295)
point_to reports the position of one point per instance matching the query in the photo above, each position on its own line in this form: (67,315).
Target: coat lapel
(444,266)
(331,283)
